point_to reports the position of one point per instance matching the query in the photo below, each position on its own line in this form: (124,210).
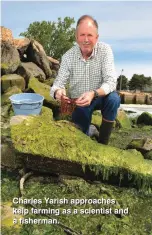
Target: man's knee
(111,105)
(113,100)
(81,117)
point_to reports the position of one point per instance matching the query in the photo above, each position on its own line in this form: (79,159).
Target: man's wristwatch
(96,94)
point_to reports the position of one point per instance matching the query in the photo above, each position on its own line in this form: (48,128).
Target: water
(136,109)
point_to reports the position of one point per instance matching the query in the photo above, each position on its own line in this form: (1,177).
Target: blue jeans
(108,106)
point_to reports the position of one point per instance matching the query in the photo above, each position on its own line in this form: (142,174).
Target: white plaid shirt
(97,71)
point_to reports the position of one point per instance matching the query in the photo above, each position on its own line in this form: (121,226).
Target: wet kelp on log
(58,147)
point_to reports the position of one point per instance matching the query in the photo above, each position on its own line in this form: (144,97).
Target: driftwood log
(44,145)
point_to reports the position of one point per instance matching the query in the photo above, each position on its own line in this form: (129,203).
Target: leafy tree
(124,82)
(55,37)
(139,82)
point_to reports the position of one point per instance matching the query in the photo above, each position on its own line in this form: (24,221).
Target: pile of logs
(136,98)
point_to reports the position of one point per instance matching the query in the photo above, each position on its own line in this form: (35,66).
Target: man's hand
(59,93)
(85,99)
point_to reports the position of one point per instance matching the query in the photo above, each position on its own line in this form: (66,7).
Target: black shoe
(105,132)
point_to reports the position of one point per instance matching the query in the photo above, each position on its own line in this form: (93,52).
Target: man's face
(86,37)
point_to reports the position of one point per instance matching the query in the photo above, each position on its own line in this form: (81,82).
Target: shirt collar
(94,52)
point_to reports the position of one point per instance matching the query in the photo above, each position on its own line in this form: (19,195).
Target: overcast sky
(125,25)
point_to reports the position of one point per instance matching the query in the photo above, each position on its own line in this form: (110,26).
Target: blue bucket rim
(24,101)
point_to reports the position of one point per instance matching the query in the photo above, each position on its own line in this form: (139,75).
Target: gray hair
(84,17)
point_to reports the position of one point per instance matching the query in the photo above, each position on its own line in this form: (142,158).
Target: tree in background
(138,82)
(124,82)
(55,37)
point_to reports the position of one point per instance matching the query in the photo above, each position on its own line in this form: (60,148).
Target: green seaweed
(145,118)
(61,140)
(96,119)
(10,91)
(121,138)
(137,143)
(4,66)
(148,155)
(122,120)
(42,89)
(137,221)
(7,67)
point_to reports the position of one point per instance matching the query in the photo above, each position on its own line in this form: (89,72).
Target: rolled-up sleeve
(108,71)
(62,77)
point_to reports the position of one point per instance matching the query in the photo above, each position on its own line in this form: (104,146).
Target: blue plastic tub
(27,103)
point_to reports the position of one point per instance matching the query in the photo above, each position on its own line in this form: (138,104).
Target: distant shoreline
(136,109)
(136,106)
